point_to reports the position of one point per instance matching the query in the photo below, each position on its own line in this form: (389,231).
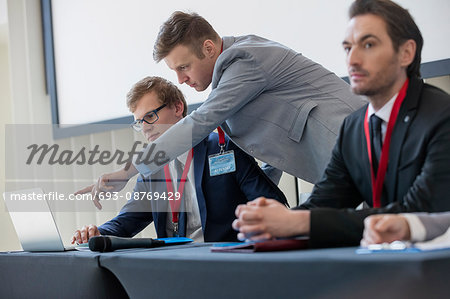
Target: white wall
(23,97)
(8,239)
(28,103)
(119,42)
(3,12)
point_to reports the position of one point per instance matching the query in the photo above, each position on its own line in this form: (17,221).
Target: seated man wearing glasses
(209,194)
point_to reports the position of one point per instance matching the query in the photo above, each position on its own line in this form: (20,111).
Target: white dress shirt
(384,113)
(419,234)
(193,221)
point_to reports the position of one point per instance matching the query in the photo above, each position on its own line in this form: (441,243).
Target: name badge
(221,163)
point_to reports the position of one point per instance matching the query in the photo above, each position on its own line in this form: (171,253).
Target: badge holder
(223,162)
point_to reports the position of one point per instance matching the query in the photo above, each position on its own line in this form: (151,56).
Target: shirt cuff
(416,228)
(142,168)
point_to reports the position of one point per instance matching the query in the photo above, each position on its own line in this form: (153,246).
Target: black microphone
(111,243)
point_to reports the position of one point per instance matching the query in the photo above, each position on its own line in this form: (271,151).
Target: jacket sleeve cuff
(335,228)
(142,168)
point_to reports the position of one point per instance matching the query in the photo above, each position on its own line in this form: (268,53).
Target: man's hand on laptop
(83,235)
(109,182)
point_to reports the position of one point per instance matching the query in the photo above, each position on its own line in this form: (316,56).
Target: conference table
(193,271)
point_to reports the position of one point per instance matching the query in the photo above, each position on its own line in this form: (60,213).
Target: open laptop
(36,228)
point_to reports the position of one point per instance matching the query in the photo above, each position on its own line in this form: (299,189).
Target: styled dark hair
(167,92)
(400,26)
(188,29)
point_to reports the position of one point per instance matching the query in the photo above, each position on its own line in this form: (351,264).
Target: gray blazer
(274,103)
(435,224)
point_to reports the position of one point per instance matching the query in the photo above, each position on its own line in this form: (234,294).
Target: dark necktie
(376,141)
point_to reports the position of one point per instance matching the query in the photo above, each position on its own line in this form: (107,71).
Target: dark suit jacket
(217,196)
(417,178)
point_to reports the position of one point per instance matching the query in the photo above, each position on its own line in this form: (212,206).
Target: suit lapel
(405,117)
(199,164)
(367,169)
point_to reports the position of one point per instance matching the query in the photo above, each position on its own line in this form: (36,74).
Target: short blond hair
(166,91)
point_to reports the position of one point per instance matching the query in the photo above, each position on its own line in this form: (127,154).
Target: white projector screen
(102,47)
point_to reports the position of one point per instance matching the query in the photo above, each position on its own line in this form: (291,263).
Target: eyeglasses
(150,118)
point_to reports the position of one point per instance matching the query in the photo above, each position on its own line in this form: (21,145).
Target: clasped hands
(263,219)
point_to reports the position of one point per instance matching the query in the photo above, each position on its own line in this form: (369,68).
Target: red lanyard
(377,182)
(221,136)
(219,129)
(175,204)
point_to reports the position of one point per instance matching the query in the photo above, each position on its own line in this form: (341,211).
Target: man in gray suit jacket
(414,227)
(274,103)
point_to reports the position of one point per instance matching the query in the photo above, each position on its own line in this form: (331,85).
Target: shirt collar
(227,41)
(385,112)
(183,157)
